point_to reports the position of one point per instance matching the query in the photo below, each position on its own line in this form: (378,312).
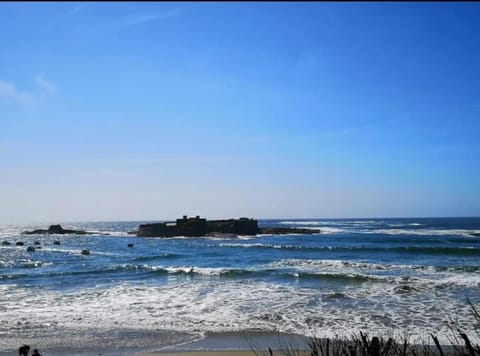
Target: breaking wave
(399,249)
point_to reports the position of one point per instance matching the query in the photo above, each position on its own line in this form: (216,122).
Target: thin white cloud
(75,9)
(369,127)
(138,19)
(126,22)
(8,90)
(47,85)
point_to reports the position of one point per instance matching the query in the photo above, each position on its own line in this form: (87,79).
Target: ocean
(380,276)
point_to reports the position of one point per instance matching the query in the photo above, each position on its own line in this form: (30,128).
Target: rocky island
(197,226)
(56,229)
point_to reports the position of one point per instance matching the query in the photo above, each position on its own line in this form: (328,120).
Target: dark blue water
(405,275)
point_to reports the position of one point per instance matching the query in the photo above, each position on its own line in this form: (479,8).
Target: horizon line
(259,219)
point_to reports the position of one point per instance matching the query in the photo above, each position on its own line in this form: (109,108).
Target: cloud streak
(138,19)
(8,90)
(45,84)
(74,10)
(125,22)
(369,127)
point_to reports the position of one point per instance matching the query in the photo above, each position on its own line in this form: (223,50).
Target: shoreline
(261,343)
(240,341)
(149,343)
(222,353)
(142,343)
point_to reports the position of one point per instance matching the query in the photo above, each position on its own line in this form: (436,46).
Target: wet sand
(217,353)
(246,340)
(236,344)
(141,343)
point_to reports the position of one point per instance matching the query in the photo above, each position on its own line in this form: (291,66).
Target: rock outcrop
(217,228)
(199,227)
(56,229)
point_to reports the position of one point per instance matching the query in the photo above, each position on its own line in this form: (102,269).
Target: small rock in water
(403,289)
(130,245)
(85,252)
(6,243)
(37,243)
(19,243)
(31,249)
(56,242)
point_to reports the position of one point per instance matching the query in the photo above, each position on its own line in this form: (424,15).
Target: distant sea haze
(380,276)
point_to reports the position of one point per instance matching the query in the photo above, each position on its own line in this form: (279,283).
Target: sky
(150,111)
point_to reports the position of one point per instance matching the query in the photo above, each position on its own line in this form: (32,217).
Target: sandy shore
(142,343)
(234,343)
(215,353)
(200,353)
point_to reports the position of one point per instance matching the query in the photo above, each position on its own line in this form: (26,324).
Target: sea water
(380,276)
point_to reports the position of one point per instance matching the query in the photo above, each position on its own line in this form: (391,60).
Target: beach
(140,343)
(214,353)
(200,353)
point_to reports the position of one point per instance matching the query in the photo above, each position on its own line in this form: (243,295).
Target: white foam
(420,276)
(422,232)
(305,222)
(330,222)
(198,270)
(358,226)
(331,230)
(259,245)
(343,225)
(114,232)
(34,263)
(231,306)
(8,263)
(248,237)
(77,251)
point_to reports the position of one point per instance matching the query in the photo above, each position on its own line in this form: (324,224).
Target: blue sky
(132,111)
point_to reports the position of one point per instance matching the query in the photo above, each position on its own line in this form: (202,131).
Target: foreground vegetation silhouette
(361,345)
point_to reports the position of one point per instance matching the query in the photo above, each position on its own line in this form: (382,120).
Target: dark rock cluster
(56,229)
(222,228)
